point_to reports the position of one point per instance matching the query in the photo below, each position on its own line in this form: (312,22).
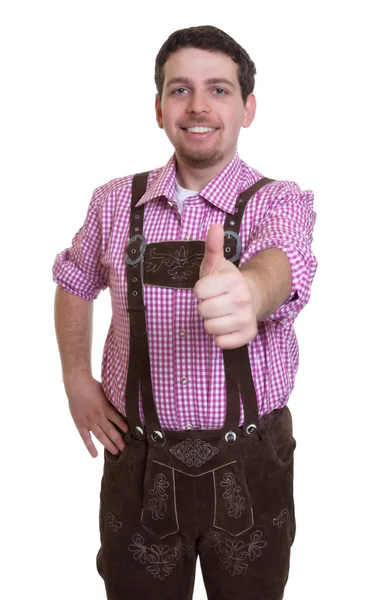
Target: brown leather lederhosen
(171,495)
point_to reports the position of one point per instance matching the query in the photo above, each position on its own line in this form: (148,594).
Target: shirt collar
(222,191)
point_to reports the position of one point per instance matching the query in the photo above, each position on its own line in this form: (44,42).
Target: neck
(194,179)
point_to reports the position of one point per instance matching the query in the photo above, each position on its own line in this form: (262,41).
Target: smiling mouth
(199,129)
(199,134)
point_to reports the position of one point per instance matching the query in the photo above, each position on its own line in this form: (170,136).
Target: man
(208,265)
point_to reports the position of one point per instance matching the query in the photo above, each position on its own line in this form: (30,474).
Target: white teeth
(200,129)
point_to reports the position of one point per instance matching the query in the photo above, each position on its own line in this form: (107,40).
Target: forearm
(73,325)
(269,278)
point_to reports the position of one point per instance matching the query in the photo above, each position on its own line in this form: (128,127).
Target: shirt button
(187,237)
(188,426)
(182,332)
(170,203)
(184,381)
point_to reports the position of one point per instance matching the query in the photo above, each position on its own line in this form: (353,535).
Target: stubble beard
(200,160)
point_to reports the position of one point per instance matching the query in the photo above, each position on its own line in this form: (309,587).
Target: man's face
(201,89)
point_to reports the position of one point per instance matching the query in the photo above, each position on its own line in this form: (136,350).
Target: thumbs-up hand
(226,302)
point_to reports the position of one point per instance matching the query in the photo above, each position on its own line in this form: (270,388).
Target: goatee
(200,160)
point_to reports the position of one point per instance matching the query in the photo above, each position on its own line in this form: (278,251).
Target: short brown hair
(207,37)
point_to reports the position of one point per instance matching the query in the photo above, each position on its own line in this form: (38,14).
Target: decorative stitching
(198,474)
(194,453)
(284,516)
(112,522)
(180,264)
(234,503)
(235,553)
(157,505)
(161,558)
(175,501)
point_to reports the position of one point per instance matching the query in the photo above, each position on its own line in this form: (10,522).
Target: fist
(225,300)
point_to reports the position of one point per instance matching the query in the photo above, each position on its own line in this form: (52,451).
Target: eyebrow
(212,80)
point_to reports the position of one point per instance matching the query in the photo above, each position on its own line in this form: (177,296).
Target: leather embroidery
(112,522)
(157,504)
(179,265)
(194,453)
(159,507)
(161,558)
(234,501)
(284,517)
(235,554)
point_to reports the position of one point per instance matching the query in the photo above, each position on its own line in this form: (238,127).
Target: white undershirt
(181,194)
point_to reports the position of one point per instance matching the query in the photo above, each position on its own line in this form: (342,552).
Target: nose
(198,103)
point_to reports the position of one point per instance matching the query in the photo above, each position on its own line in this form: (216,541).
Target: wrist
(254,292)
(77,374)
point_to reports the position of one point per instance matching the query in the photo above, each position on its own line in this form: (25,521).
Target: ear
(158,112)
(249,111)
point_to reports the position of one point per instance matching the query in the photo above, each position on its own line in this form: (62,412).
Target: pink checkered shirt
(186,365)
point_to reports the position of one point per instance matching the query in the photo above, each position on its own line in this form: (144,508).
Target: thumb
(213,255)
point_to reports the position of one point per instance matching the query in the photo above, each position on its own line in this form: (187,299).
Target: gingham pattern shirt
(186,365)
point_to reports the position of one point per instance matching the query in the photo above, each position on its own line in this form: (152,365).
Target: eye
(220,91)
(179,91)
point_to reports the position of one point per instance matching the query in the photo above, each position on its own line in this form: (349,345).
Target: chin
(200,160)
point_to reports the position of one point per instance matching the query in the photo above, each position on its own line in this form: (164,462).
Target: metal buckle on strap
(135,261)
(229,233)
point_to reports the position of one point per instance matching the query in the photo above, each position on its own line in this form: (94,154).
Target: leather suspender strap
(139,371)
(237,365)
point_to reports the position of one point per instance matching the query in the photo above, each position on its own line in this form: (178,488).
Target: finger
(214,252)
(211,287)
(236,339)
(104,439)
(86,437)
(116,417)
(219,306)
(221,326)
(216,285)
(230,341)
(115,435)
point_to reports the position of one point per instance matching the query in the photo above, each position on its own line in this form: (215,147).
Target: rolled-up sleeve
(79,269)
(288,225)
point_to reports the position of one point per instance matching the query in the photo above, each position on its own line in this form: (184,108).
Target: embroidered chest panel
(173,264)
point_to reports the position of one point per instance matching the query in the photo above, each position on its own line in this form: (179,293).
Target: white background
(77,110)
